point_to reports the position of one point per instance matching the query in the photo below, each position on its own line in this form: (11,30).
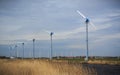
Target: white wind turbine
(87,21)
(50,33)
(23,50)
(10,50)
(33,48)
(16,51)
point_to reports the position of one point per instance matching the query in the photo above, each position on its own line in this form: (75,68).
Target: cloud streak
(107,37)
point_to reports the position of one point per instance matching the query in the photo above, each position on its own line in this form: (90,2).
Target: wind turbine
(23,49)
(51,44)
(51,34)
(87,21)
(33,48)
(16,51)
(10,50)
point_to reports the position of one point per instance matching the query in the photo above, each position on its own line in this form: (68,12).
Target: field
(57,67)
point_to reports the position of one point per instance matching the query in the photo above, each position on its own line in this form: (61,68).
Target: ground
(56,67)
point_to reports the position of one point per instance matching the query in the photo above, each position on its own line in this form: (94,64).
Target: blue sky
(23,20)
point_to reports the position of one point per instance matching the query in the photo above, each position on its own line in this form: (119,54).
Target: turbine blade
(46,31)
(80,14)
(93,25)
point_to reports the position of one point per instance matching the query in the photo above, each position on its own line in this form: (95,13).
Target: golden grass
(42,67)
(104,62)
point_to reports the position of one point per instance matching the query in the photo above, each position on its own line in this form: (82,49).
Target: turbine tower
(16,51)
(33,48)
(87,21)
(10,48)
(51,45)
(23,50)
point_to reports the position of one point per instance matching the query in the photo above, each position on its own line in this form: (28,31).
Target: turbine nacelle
(22,43)
(33,40)
(87,20)
(51,33)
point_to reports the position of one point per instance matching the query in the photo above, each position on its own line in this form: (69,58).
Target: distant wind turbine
(33,48)
(10,50)
(51,34)
(23,50)
(87,21)
(16,51)
(51,44)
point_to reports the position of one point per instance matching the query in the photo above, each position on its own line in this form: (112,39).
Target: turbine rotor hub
(87,20)
(51,33)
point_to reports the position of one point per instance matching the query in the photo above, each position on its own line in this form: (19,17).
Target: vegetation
(54,67)
(40,67)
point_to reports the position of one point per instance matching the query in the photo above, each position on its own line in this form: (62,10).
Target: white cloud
(70,34)
(116,13)
(107,37)
(45,36)
(10,28)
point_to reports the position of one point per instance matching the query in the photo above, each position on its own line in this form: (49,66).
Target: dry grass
(41,67)
(46,67)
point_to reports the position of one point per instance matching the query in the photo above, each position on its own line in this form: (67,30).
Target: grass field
(55,67)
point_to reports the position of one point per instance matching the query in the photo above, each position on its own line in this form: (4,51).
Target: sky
(23,20)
